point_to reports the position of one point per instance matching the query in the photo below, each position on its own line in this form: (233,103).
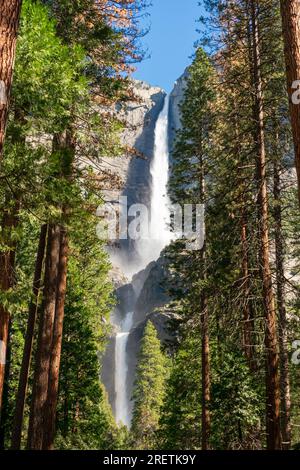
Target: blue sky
(170,41)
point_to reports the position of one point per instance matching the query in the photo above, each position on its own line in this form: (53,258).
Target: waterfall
(159,233)
(160,202)
(149,250)
(122,413)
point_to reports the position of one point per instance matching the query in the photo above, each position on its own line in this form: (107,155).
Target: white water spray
(149,250)
(121,369)
(160,202)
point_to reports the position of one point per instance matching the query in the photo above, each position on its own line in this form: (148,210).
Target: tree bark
(272,359)
(26,360)
(5,414)
(52,397)
(9,24)
(281,302)
(290,13)
(248,320)
(41,376)
(205,350)
(7,281)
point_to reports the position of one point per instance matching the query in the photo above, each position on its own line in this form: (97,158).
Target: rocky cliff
(176,98)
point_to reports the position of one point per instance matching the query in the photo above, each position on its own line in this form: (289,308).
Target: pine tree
(180,418)
(191,163)
(149,390)
(235,406)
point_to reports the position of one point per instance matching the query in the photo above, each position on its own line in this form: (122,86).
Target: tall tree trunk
(41,376)
(290,13)
(5,401)
(272,360)
(248,320)
(52,397)
(9,24)
(281,302)
(204,318)
(26,360)
(65,143)
(7,281)
(205,374)
(248,316)
(43,410)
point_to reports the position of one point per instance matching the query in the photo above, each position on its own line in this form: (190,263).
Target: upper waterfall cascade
(159,232)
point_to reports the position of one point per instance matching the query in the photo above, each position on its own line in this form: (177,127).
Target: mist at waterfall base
(148,250)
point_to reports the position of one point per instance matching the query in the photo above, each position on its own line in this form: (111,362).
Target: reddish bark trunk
(9,25)
(290,13)
(52,397)
(41,376)
(7,280)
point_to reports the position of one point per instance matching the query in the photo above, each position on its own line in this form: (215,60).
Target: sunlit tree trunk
(9,24)
(7,281)
(41,376)
(52,396)
(290,12)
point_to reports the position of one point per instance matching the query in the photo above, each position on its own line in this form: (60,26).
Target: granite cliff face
(133,171)
(146,295)
(176,98)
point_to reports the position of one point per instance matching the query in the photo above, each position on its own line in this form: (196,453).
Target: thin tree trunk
(205,350)
(205,374)
(41,376)
(9,223)
(272,360)
(290,13)
(248,326)
(5,407)
(281,302)
(248,317)
(24,373)
(52,397)
(7,281)
(9,25)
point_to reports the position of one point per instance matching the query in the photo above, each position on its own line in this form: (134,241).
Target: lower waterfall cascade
(149,250)
(122,413)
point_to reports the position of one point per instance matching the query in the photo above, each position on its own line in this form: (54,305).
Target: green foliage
(236,405)
(149,390)
(192,140)
(84,418)
(43,96)
(181,412)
